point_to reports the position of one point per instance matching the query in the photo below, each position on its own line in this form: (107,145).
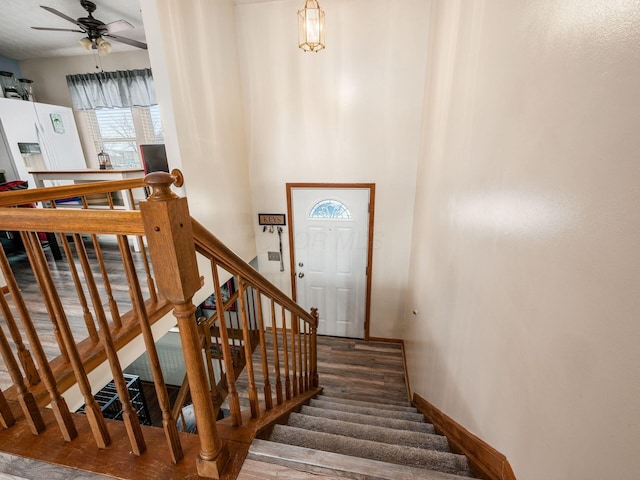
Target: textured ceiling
(19,41)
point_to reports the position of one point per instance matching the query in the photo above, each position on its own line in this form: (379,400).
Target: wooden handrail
(107,222)
(209,245)
(33,195)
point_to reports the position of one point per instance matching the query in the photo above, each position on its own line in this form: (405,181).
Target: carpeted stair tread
(329,463)
(411,416)
(368,419)
(401,455)
(367,432)
(362,403)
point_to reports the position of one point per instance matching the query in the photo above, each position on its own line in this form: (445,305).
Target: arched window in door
(330,209)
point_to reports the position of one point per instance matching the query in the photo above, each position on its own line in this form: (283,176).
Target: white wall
(350,113)
(525,266)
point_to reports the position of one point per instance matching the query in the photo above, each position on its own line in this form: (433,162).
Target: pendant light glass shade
(102,46)
(86,43)
(311,27)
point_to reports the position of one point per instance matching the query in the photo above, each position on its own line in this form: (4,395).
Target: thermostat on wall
(271,219)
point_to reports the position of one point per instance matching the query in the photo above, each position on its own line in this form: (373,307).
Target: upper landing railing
(123,271)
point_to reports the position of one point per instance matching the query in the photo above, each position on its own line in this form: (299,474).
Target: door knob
(300,275)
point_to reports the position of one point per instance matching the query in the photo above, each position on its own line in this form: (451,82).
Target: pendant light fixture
(102,46)
(311,27)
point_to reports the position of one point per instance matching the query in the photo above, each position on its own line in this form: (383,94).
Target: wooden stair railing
(298,329)
(87,333)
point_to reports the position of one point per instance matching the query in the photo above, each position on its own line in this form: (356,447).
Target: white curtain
(123,88)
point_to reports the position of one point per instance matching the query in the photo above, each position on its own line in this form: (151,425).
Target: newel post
(167,225)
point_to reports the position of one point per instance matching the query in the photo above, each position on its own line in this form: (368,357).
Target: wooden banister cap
(160,183)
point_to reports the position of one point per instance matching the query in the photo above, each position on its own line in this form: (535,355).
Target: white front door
(331,241)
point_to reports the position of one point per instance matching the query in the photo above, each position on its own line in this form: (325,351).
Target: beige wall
(350,113)
(196,72)
(50,82)
(525,267)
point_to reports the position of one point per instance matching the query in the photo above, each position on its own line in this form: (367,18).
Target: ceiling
(19,41)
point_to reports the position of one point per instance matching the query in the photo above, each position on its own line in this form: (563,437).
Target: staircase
(354,433)
(56,331)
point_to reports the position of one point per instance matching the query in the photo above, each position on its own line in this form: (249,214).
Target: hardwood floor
(353,368)
(361,370)
(254,470)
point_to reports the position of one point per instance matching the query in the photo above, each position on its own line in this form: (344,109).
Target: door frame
(292,261)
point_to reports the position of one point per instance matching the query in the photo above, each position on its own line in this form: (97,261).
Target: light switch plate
(274,256)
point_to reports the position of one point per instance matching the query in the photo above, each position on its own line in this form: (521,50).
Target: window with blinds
(120,131)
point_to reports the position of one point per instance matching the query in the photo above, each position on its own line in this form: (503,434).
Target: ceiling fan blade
(117,26)
(58,29)
(128,41)
(61,15)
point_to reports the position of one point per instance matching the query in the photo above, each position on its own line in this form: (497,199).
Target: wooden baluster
(287,379)
(306,356)
(268,399)
(220,311)
(252,310)
(176,411)
(6,415)
(232,392)
(234,320)
(168,422)
(112,207)
(294,357)
(233,312)
(113,306)
(219,357)
(129,415)
(47,287)
(246,334)
(25,397)
(315,382)
(58,404)
(247,305)
(23,353)
(150,283)
(300,353)
(169,233)
(88,318)
(47,300)
(276,354)
(206,335)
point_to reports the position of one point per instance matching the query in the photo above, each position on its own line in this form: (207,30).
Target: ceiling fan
(94,29)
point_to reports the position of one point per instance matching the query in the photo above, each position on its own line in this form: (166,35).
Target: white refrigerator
(37,136)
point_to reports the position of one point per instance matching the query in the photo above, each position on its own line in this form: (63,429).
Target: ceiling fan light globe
(86,43)
(104,47)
